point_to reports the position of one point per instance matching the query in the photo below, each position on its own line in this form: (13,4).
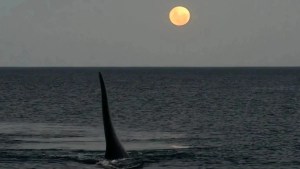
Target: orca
(114,148)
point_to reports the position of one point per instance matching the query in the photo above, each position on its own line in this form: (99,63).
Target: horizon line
(149,66)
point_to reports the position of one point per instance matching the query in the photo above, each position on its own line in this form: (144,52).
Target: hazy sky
(139,33)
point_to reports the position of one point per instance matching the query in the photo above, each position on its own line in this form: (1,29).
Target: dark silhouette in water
(114,148)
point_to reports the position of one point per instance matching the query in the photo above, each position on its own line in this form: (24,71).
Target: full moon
(179,16)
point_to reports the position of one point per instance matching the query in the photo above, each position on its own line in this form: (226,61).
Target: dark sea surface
(223,118)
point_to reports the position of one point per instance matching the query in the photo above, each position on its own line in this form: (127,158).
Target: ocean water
(237,118)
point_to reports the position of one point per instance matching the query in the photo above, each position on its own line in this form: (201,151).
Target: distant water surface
(222,118)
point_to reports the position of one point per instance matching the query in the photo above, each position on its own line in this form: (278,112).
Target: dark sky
(139,33)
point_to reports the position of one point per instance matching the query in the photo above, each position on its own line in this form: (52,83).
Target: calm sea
(223,118)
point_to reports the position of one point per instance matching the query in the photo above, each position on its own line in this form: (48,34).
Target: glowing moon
(179,16)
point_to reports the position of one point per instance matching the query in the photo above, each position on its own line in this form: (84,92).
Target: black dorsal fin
(114,148)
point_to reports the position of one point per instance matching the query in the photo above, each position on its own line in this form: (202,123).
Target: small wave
(180,146)
(138,159)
